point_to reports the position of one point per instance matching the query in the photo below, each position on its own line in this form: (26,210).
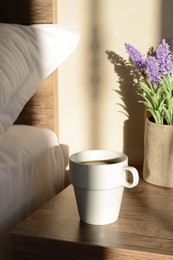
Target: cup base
(98,207)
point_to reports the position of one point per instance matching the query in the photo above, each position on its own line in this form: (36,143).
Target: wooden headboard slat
(27,11)
(41,110)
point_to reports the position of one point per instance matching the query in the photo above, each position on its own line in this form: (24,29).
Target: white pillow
(28,54)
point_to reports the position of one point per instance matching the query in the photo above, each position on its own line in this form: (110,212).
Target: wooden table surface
(144,229)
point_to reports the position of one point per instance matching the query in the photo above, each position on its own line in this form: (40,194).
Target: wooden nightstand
(144,229)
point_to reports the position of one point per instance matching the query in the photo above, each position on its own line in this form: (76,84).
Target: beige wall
(89,91)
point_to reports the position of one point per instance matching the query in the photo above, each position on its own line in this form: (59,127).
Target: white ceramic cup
(99,178)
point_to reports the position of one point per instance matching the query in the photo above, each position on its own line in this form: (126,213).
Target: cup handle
(135,175)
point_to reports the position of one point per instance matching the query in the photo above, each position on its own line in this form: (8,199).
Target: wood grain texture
(143,231)
(27,11)
(41,110)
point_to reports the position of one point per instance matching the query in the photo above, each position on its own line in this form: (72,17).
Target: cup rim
(78,157)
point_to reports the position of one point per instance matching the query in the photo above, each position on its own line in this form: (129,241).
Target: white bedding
(28,54)
(31,172)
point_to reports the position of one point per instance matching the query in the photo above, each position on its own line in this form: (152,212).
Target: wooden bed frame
(41,110)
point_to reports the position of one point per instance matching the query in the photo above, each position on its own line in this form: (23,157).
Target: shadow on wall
(94,76)
(128,82)
(166,30)
(134,126)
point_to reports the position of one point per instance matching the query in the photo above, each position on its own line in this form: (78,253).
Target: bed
(32,47)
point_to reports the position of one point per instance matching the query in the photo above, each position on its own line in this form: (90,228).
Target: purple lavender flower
(153,70)
(136,56)
(163,55)
(155,81)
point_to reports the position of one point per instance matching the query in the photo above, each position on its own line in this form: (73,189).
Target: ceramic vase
(158,154)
